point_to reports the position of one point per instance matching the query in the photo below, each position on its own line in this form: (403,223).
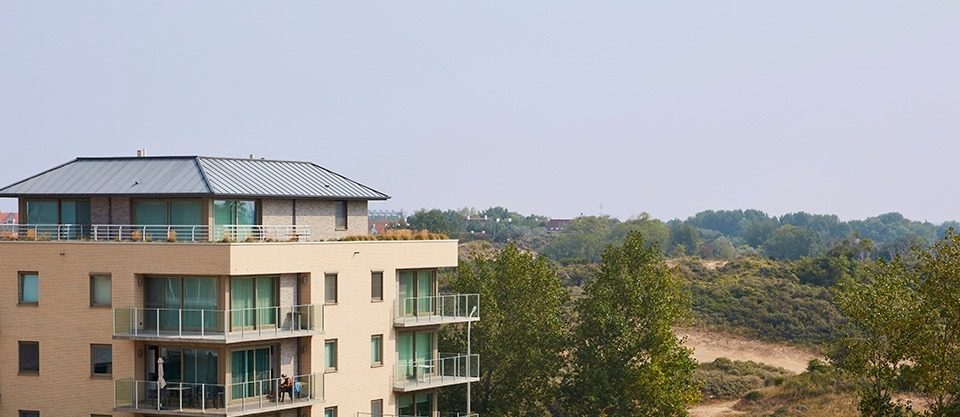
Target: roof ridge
(203,174)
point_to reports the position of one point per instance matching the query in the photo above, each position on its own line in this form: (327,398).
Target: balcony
(238,399)
(217,326)
(155,233)
(450,369)
(439,309)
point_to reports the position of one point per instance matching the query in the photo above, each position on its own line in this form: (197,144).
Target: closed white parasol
(160,381)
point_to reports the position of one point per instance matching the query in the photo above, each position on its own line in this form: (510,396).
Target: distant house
(9,218)
(556,225)
(378,221)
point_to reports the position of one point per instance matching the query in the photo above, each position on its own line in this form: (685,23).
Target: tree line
(708,234)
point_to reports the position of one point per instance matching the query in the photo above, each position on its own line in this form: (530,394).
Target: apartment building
(195,286)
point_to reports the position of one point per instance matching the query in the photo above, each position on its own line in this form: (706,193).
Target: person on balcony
(286,387)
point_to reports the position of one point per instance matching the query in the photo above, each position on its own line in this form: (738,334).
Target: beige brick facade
(66,325)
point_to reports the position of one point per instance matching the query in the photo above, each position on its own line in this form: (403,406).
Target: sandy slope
(708,346)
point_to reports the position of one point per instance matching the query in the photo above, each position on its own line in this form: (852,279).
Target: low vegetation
(724,379)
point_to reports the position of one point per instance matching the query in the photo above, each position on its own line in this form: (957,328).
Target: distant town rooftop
(191,176)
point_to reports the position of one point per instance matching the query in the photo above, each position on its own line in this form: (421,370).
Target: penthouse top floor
(188,198)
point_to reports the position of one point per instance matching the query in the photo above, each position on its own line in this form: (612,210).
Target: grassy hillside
(760,298)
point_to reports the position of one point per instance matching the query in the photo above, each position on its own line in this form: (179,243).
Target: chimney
(252,157)
(141,153)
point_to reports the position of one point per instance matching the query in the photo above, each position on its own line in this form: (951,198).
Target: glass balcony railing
(156,233)
(223,325)
(225,399)
(449,369)
(451,308)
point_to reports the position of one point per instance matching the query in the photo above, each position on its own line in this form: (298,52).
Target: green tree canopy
(522,334)
(626,359)
(791,242)
(906,330)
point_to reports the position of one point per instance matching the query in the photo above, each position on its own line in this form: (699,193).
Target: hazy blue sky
(850,108)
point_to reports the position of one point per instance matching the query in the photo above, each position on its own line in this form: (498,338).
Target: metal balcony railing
(203,324)
(234,398)
(156,233)
(449,369)
(450,308)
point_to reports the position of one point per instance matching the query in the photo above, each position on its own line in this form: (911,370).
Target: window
(29,413)
(330,355)
(101,360)
(417,290)
(234,219)
(330,288)
(100,289)
(376,408)
(376,286)
(330,412)
(340,213)
(29,357)
(376,350)
(29,288)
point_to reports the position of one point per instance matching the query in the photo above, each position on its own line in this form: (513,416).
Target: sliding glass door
(415,354)
(251,368)
(253,302)
(181,303)
(417,290)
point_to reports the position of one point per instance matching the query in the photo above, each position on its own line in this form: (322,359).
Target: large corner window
(418,290)
(29,288)
(234,219)
(340,213)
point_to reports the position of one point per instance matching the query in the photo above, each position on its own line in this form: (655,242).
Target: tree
(905,329)
(791,242)
(583,239)
(626,359)
(685,237)
(450,222)
(522,334)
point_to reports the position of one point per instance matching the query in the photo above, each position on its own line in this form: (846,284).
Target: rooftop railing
(209,324)
(156,233)
(449,369)
(234,398)
(451,308)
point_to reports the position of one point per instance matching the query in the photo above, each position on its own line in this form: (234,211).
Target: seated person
(286,386)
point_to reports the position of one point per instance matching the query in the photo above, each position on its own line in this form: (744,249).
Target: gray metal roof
(190,176)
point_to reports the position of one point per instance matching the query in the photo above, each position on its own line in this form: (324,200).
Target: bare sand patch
(708,346)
